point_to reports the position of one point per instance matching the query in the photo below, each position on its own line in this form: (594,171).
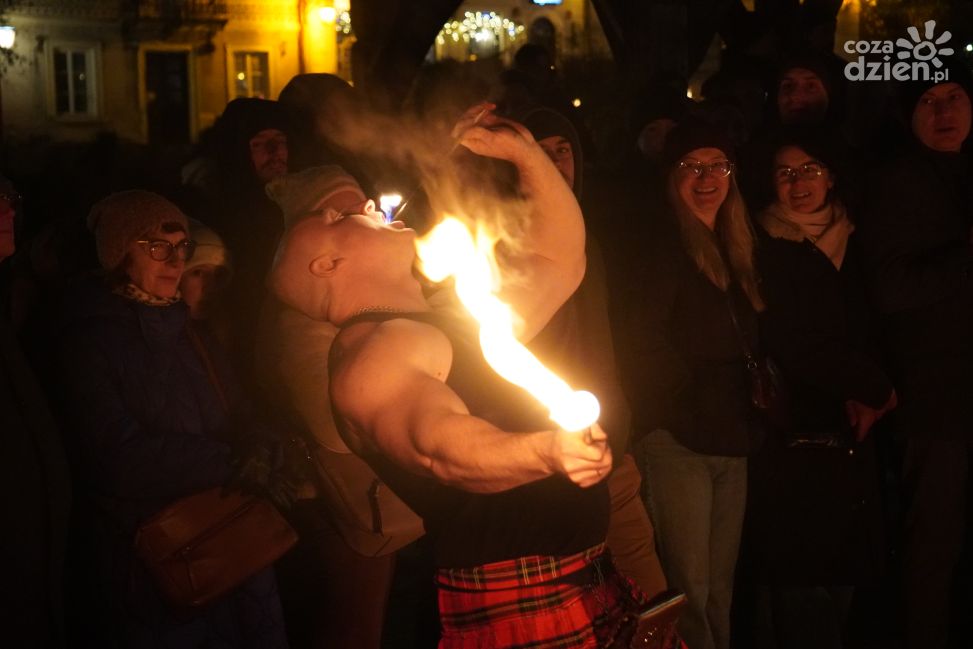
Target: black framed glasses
(720,168)
(806,171)
(162,250)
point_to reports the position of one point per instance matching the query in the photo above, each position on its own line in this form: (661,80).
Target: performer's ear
(324,266)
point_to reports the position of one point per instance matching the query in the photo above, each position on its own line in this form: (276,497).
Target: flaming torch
(451,250)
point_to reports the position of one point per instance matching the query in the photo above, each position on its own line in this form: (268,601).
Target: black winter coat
(148,426)
(681,357)
(917,242)
(35,498)
(814,515)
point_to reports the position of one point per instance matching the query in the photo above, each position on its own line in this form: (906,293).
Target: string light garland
(343,23)
(479,26)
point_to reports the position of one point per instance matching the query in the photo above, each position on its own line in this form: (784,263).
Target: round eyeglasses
(12,199)
(806,171)
(720,168)
(162,250)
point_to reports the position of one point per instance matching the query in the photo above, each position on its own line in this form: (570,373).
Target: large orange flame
(451,250)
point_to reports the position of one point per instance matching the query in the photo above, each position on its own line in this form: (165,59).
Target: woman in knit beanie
(142,242)
(687,378)
(155,406)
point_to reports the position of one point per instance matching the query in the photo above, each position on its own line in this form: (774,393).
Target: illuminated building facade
(159,71)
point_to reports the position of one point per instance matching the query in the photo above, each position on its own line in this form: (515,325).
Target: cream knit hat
(210,248)
(299,193)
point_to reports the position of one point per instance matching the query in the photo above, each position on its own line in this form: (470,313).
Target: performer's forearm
(468,453)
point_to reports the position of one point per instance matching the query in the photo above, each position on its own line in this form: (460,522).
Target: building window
(250,74)
(75,93)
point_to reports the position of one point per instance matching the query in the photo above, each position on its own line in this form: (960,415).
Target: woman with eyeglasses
(687,380)
(151,401)
(815,518)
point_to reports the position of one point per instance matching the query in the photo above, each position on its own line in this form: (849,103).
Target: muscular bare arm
(388,387)
(554,262)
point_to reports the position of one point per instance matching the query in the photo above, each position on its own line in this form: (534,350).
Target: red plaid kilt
(536,602)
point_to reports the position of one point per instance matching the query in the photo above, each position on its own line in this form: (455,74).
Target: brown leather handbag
(202,546)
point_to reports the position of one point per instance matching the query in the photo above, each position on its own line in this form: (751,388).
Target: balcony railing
(183,11)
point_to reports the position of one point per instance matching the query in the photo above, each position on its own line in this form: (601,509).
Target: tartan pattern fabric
(520,604)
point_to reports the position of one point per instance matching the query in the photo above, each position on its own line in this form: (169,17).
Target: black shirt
(552,516)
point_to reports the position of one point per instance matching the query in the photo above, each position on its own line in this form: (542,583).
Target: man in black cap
(917,243)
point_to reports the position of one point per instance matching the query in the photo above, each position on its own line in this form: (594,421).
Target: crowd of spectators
(159,343)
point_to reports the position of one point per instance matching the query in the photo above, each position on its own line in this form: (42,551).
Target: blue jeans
(696,503)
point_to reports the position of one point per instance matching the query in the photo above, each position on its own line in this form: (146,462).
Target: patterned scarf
(828,228)
(132,292)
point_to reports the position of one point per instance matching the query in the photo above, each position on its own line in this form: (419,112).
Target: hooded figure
(958,78)
(250,147)
(328,115)
(807,90)
(577,344)
(559,139)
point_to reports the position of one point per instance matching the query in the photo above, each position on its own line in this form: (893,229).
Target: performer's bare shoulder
(380,369)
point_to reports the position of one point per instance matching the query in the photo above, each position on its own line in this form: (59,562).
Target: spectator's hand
(584,457)
(861,417)
(270,466)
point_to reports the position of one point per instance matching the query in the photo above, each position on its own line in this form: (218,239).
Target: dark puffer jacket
(147,430)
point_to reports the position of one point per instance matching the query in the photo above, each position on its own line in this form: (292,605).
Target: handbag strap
(748,354)
(203,354)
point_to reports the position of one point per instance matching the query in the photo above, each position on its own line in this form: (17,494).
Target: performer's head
(337,250)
